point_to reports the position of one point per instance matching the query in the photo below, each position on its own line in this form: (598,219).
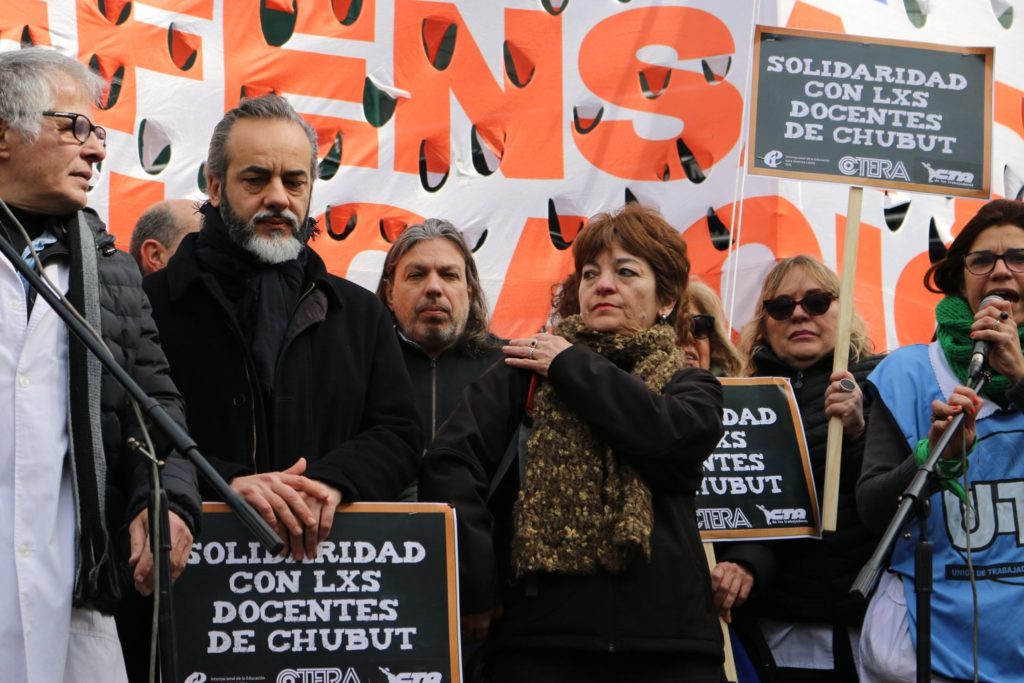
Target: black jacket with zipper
(807,579)
(341,396)
(438,383)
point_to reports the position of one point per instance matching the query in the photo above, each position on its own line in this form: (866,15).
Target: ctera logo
(722,518)
(947,176)
(319,675)
(874,168)
(773,158)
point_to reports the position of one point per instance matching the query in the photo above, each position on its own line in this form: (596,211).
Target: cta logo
(318,675)
(783,515)
(413,677)
(946,176)
(866,167)
(773,158)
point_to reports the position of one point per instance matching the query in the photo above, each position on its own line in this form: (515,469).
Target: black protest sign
(758,483)
(868,111)
(376,605)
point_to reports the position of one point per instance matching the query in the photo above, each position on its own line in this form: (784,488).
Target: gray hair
(156,223)
(475,337)
(29,81)
(267,107)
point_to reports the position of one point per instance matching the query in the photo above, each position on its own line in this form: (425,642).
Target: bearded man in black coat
(293,381)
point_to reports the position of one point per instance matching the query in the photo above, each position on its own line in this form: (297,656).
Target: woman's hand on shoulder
(994,324)
(845,400)
(534,353)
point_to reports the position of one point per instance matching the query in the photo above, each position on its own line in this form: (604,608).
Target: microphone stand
(915,498)
(160,545)
(178,438)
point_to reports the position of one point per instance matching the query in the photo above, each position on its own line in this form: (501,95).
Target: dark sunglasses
(81,126)
(702,326)
(983,262)
(782,307)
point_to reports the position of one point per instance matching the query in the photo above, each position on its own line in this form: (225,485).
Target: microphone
(980,352)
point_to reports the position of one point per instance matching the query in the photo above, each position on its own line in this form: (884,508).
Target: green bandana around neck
(954,318)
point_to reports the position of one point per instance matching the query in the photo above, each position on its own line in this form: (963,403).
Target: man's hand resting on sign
(323,510)
(291,504)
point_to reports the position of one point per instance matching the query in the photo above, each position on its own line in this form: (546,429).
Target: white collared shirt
(37,512)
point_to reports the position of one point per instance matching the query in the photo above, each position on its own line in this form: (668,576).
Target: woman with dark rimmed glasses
(798,620)
(919,389)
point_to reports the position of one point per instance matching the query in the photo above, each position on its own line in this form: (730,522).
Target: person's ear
(214,187)
(388,295)
(152,256)
(666,309)
(5,140)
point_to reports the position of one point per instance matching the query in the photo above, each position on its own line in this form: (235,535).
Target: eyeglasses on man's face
(815,304)
(81,126)
(984,262)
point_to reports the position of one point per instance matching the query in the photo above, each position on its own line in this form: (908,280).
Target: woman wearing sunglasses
(919,389)
(798,621)
(710,347)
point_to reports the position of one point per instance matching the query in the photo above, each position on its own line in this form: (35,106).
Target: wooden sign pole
(730,661)
(833,456)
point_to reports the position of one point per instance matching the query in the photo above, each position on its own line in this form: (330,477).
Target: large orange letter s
(710,109)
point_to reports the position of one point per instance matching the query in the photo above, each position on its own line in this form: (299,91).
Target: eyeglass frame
(100,131)
(995,259)
(711,325)
(831,296)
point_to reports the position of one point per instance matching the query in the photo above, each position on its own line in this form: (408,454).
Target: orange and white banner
(516,119)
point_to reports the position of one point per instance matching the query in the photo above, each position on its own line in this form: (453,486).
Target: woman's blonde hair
(725,358)
(755,333)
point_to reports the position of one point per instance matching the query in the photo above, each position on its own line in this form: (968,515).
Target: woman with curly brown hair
(586,563)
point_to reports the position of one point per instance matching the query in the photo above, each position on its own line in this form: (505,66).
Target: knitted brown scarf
(580,507)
